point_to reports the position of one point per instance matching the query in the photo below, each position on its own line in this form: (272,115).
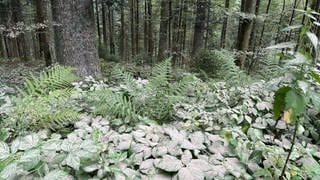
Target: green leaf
(296,102)
(57,175)
(4,150)
(9,171)
(279,101)
(30,159)
(315,99)
(73,161)
(315,76)
(256,156)
(314,40)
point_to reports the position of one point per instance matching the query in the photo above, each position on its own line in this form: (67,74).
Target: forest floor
(217,132)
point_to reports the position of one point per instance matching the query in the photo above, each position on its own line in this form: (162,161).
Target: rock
(190,173)
(168,163)
(159,151)
(147,167)
(200,164)
(186,157)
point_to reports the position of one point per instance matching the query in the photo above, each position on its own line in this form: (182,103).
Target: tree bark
(264,24)
(75,37)
(122,48)
(199,28)
(43,40)
(225,24)
(245,29)
(98,20)
(163,32)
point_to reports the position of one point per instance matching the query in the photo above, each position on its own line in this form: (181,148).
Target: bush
(219,65)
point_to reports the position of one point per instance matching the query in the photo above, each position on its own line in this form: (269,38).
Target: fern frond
(58,77)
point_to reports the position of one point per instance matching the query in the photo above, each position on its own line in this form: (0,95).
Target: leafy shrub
(153,98)
(81,155)
(44,102)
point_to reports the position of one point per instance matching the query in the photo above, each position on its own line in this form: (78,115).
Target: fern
(44,102)
(112,104)
(58,77)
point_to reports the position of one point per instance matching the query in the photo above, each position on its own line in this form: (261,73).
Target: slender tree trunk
(199,28)
(111,30)
(225,24)
(246,26)
(280,21)
(163,32)
(288,36)
(208,26)
(145,28)
(51,34)
(76,36)
(264,24)
(150,29)
(169,26)
(302,23)
(104,26)
(315,6)
(253,33)
(43,40)
(132,24)
(122,49)
(137,23)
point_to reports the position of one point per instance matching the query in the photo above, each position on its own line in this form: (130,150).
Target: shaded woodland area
(159,89)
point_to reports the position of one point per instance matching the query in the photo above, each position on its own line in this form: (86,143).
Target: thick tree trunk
(199,28)
(17,16)
(246,25)
(163,32)
(98,20)
(43,40)
(225,24)
(76,36)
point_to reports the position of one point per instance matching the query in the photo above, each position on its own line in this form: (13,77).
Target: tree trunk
(122,48)
(17,16)
(150,29)
(132,24)
(104,26)
(288,36)
(163,32)
(98,20)
(111,30)
(264,24)
(75,37)
(225,24)
(137,27)
(246,25)
(43,40)
(199,28)
(280,21)
(253,32)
